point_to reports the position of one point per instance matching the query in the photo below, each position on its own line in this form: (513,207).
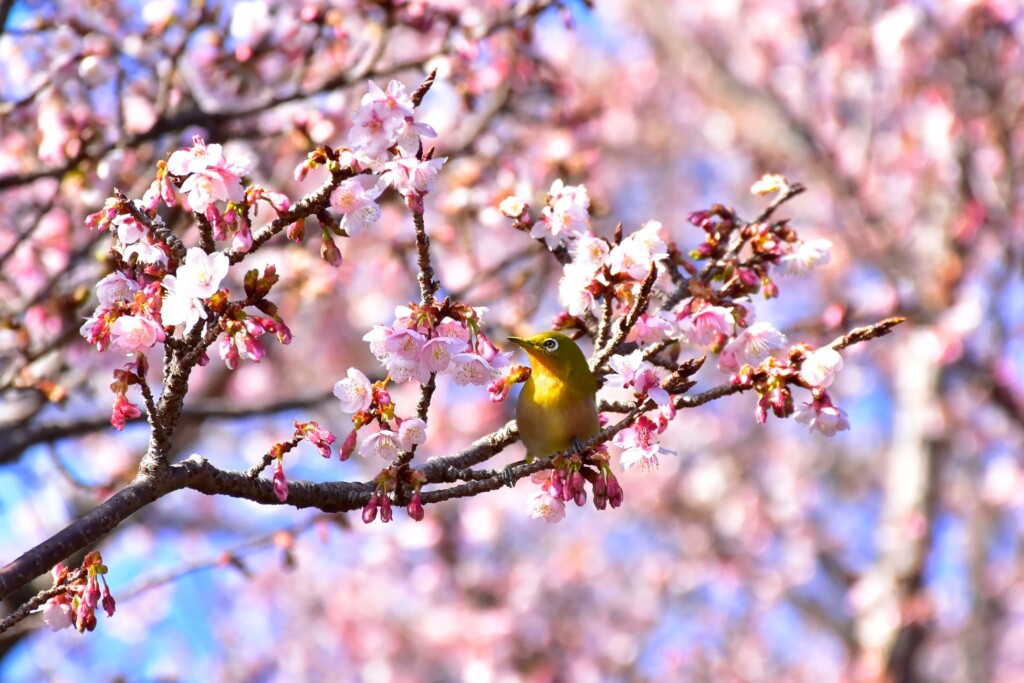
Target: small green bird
(557,407)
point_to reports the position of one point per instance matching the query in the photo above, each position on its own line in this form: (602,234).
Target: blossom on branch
(209,175)
(819,367)
(355,391)
(751,346)
(804,256)
(136,333)
(633,371)
(639,444)
(822,415)
(565,216)
(198,278)
(356,202)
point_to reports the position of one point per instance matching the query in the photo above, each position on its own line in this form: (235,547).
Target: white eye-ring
(551,344)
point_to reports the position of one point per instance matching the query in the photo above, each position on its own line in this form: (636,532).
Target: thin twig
(643,299)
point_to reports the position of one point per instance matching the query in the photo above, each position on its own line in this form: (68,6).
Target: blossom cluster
(312,432)
(76,605)
(446,339)
(669,300)
(423,341)
(384,150)
(566,482)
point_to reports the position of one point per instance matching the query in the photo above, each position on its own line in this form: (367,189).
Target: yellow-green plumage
(558,402)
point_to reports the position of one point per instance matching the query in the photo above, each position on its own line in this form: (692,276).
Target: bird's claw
(577,446)
(508,477)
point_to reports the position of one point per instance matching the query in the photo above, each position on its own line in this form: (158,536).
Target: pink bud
(348,447)
(92,592)
(370,509)
(576,482)
(600,493)
(771,290)
(761,412)
(83,616)
(329,250)
(280,482)
(556,484)
(296,231)
(123,410)
(615,493)
(563,320)
(416,506)
(381,396)
(385,509)
(254,350)
(109,605)
(702,219)
(485,348)
(228,352)
(242,241)
(747,277)
(580,497)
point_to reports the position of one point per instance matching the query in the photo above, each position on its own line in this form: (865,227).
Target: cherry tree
(257,233)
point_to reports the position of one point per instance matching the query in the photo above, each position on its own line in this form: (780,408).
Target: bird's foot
(508,476)
(577,446)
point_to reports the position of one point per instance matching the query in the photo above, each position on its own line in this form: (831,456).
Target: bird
(557,407)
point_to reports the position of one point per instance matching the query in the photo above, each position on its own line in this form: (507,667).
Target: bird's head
(555,353)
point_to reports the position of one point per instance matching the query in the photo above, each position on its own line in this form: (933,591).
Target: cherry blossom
(116,288)
(136,333)
(565,216)
(355,201)
(412,432)
(198,278)
(633,371)
(751,346)
(805,256)
(703,325)
(820,367)
(210,175)
(385,444)
(640,445)
(822,415)
(354,392)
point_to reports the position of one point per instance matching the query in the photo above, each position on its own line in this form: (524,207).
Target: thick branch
(84,531)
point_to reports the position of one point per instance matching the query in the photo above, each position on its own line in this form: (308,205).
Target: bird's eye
(551,344)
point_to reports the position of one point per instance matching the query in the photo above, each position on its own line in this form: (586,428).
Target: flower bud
(600,493)
(615,493)
(109,605)
(557,485)
(329,250)
(761,412)
(415,508)
(580,497)
(348,447)
(370,509)
(385,509)
(280,482)
(296,231)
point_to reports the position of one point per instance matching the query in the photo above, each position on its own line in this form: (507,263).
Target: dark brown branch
(643,299)
(84,531)
(428,286)
(866,333)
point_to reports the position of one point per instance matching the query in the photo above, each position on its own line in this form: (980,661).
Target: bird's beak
(519,341)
